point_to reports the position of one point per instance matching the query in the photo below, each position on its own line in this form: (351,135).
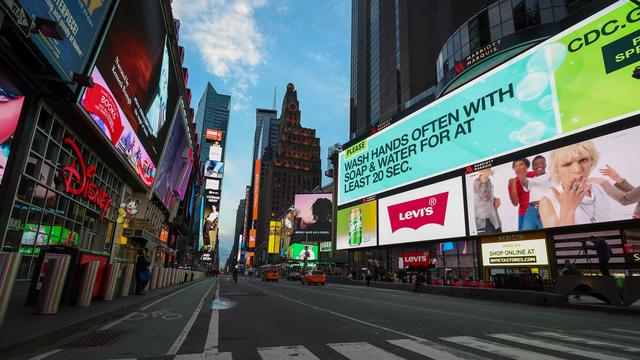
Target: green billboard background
(369,211)
(296,252)
(552,90)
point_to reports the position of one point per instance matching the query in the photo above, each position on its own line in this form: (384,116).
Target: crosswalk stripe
(498,349)
(617,336)
(424,348)
(286,352)
(203,356)
(626,331)
(581,340)
(557,347)
(362,351)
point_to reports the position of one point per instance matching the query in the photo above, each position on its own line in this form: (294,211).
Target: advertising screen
(587,182)
(212,184)
(313,216)
(326,246)
(564,85)
(274,237)
(80,21)
(11,101)
(303,252)
(210,226)
(252,238)
(130,99)
(356,226)
(514,253)
(213,169)
(430,212)
(256,190)
(215,153)
(213,135)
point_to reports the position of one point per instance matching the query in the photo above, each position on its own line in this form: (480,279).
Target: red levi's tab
(416,213)
(101,103)
(415,259)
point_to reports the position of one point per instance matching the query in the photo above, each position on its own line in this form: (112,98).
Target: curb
(49,338)
(602,308)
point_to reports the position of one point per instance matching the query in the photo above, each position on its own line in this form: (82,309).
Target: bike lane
(151,331)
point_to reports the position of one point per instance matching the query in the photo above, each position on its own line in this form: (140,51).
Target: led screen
(313,216)
(302,252)
(213,169)
(356,226)
(11,101)
(564,85)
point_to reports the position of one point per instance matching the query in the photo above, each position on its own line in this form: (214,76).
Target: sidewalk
(24,329)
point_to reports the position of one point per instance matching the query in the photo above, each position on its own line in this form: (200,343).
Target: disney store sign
(78,181)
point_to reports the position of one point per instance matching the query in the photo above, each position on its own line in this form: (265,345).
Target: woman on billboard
(621,190)
(576,199)
(485,204)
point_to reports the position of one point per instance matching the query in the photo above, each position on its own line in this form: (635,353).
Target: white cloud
(227,38)
(282,7)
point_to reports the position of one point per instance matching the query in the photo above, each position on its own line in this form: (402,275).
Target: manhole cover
(100,338)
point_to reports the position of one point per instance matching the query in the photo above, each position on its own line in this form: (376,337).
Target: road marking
(362,351)
(219,356)
(617,337)
(286,352)
(581,340)
(626,331)
(116,322)
(45,355)
(557,347)
(211,344)
(425,349)
(464,315)
(183,334)
(498,349)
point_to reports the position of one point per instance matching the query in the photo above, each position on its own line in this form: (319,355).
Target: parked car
(294,276)
(270,275)
(314,277)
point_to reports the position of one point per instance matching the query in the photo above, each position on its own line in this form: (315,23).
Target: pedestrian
(604,253)
(143,275)
(418,283)
(368,278)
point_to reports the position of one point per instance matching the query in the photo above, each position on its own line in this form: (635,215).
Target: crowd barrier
(52,285)
(87,283)
(9,265)
(111,280)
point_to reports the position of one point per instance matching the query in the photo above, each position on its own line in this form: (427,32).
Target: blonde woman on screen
(574,199)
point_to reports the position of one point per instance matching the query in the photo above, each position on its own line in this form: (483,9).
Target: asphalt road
(288,320)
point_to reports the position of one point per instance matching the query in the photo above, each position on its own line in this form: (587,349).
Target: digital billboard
(80,22)
(274,237)
(210,227)
(130,99)
(515,250)
(302,252)
(252,238)
(586,182)
(356,226)
(213,135)
(576,80)
(429,212)
(11,101)
(313,216)
(215,152)
(213,169)
(212,184)
(256,190)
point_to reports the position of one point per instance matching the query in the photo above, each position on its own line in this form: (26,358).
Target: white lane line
(183,334)
(45,355)
(362,351)
(423,309)
(341,315)
(426,349)
(498,349)
(220,356)
(581,340)
(211,344)
(116,322)
(286,352)
(616,336)
(557,347)
(626,331)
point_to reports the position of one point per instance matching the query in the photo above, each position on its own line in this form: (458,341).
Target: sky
(246,48)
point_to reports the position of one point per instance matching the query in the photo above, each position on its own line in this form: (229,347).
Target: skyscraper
(394,49)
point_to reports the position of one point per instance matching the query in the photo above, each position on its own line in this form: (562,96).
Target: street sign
(18,14)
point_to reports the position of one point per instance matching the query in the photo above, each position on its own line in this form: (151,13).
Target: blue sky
(247,47)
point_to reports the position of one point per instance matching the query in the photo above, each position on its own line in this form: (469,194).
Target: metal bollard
(87,283)
(165,280)
(113,270)
(127,276)
(174,273)
(9,265)
(154,278)
(160,278)
(52,285)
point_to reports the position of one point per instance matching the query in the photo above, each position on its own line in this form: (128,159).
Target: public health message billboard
(427,213)
(578,79)
(356,227)
(587,182)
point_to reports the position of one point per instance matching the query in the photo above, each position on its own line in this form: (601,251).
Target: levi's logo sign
(416,213)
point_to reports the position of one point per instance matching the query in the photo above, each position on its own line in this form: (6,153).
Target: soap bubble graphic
(548,58)
(530,133)
(532,86)
(546,103)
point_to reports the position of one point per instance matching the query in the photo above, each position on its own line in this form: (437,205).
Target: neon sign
(77,181)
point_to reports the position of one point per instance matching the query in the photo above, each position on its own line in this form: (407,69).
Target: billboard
(210,226)
(516,250)
(80,21)
(252,238)
(130,100)
(356,226)
(576,80)
(302,252)
(212,184)
(256,190)
(587,182)
(215,152)
(11,101)
(213,135)
(429,212)
(274,237)
(326,246)
(313,216)
(414,259)
(213,169)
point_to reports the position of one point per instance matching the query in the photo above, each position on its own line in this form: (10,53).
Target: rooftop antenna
(275,89)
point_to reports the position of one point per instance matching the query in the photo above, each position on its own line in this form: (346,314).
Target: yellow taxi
(314,277)
(270,275)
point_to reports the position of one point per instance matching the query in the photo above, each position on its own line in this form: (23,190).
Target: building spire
(274,96)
